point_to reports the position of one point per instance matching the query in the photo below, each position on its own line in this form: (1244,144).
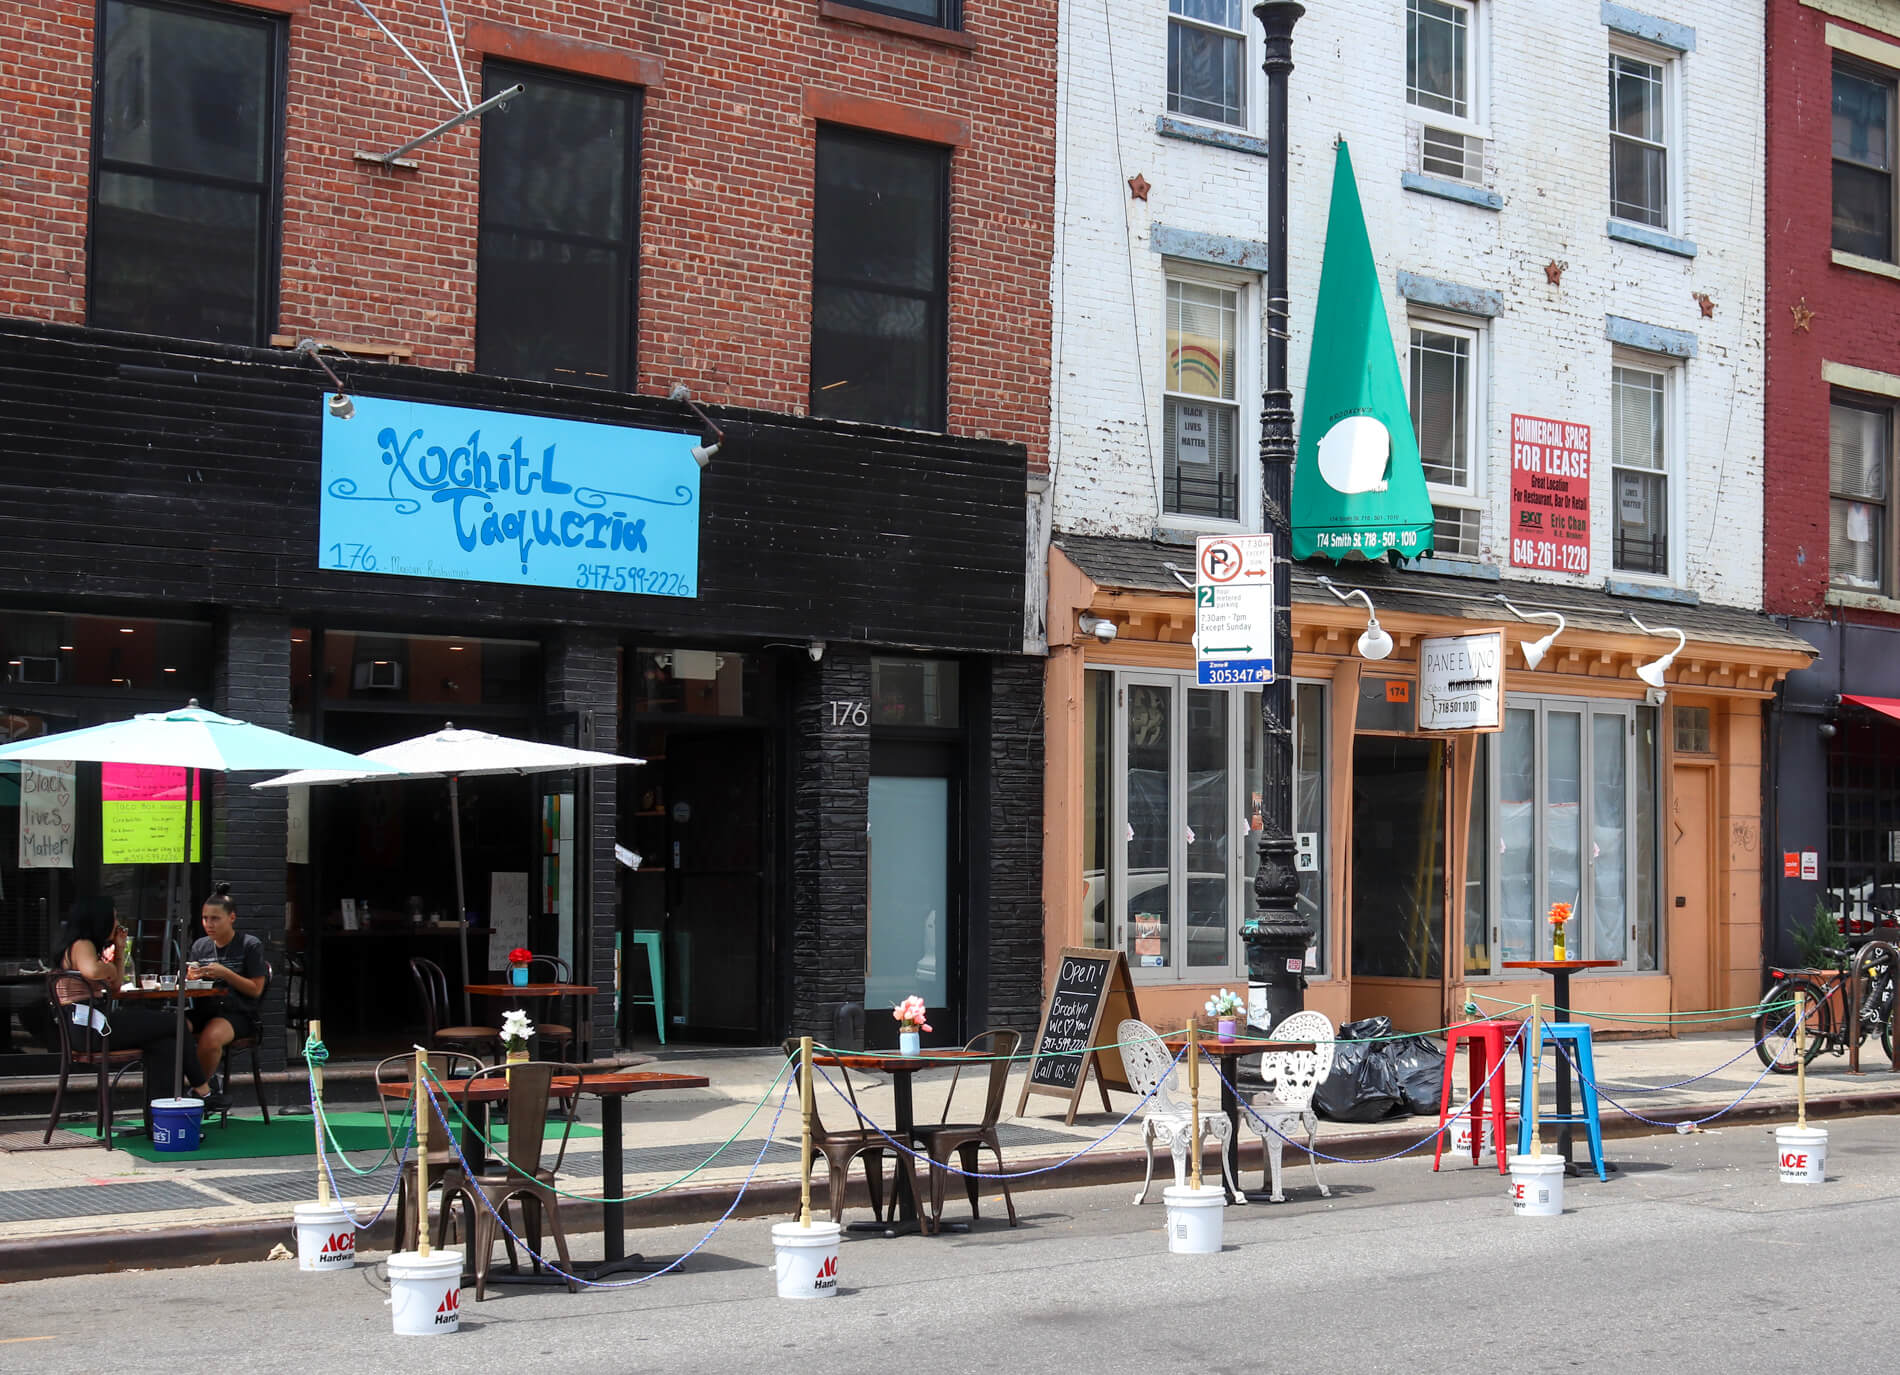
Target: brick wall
(725,253)
(1855,315)
(1548,161)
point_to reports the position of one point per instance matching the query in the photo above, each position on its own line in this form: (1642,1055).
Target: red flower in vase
(520,955)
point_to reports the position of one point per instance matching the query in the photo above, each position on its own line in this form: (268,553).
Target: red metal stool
(1484,1045)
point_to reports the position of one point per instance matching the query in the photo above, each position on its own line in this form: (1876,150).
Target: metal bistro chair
(85,1043)
(1294,1075)
(1167,1121)
(967,1139)
(555,1035)
(446,1065)
(840,1148)
(433,986)
(241,1044)
(523,1179)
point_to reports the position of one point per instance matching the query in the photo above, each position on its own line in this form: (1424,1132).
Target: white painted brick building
(1534,79)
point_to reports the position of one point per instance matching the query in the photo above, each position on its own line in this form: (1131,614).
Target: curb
(89,1253)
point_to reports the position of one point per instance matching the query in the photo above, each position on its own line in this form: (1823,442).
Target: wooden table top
(542,990)
(494,1088)
(890,1062)
(1211,1044)
(168,995)
(1559,966)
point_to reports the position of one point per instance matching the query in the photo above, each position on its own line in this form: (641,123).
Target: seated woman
(234,959)
(89,943)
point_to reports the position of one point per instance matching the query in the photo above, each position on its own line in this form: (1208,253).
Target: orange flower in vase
(1559,916)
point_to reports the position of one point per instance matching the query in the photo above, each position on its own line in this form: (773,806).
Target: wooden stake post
(804,1135)
(1800,1058)
(316,1116)
(1534,1066)
(1194,1099)
(422,1154)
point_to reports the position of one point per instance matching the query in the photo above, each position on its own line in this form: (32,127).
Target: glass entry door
(913,944)
(1399,801)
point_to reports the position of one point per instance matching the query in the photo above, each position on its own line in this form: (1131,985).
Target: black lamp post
(1277,936)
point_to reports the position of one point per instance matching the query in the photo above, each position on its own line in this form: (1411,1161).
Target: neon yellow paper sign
(142,814)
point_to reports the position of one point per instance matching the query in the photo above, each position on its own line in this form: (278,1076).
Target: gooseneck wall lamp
(1535,650)
(1374,643)
(340,404)
(704,450)
(1656,672)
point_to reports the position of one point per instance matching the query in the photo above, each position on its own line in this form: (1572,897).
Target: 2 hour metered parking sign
(1233,609)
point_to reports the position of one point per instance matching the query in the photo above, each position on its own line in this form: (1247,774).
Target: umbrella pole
(184,926)
(461,901)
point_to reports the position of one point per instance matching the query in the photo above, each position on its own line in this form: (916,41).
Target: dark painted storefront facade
(842,802)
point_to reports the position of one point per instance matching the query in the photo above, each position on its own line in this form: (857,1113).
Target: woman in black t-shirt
(235,959)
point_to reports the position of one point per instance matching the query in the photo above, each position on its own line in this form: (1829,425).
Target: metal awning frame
(466,108)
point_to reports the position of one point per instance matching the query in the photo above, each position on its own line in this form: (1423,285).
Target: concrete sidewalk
(84,1208)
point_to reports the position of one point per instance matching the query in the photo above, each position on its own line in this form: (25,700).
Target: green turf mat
(240,1137)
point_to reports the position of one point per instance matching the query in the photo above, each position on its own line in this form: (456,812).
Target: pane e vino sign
(1550,495)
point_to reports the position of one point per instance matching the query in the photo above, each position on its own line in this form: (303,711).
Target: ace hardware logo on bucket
(827,1274)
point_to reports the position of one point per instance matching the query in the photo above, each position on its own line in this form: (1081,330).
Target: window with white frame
(1859,479)
(1200,413)
(1863,161)
(1640,137)
(1443,83)
(1173,785)
(1208,69)
(1640,466)
(1442,381)
(1575,821)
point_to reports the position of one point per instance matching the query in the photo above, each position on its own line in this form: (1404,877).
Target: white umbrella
(454,754)
(193,739)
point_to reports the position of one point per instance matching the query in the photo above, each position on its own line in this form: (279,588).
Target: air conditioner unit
(377,675)
(1455,156)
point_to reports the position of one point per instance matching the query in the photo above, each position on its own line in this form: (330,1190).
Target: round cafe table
(1229,1053)
(1560,972)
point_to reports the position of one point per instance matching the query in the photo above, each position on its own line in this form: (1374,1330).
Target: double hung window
(880,279)
(1442,381)
(187,144)
(939,14)
(1860,477)
(1640,135)
(1201,421)
(1863,162)
(1640,443)
(1208,70)
(555,276)
(1443,85)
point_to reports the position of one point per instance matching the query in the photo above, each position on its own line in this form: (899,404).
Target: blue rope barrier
(514,1236)
(1569,1055)
(336,1190)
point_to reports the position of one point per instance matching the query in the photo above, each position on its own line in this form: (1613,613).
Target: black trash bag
(1419,1065)
(1363,1086)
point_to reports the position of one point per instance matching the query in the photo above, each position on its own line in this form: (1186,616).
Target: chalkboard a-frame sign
(1092,990)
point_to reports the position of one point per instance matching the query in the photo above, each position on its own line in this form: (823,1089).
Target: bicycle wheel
(1774,1024)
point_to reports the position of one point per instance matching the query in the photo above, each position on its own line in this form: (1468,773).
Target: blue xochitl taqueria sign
(427,491)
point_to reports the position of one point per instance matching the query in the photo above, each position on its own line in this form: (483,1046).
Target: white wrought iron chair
(1288,1104)
(1166,1120)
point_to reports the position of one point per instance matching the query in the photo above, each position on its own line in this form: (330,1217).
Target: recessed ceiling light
(17,663)
(171,670)
(125,630)
(455,649)
(67,648)
(296,639)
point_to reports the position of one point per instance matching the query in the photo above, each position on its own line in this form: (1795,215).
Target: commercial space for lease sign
(1550,495)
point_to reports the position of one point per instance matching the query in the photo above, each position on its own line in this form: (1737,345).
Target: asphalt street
(1692,1258)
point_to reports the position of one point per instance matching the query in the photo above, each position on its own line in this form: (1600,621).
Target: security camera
(1100,627)
(1655,696)
(815,650)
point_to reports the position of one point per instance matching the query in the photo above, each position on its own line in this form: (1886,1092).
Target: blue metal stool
(1577,1034)
(651,940)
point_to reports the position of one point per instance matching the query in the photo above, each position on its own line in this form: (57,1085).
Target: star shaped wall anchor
(1803,315)
(1138,187)
(1554,272)
(1703,299)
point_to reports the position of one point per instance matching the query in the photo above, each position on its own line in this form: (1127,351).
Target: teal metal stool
(1577,1035)
(651,940)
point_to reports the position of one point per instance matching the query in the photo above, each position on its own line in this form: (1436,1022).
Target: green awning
(1357,484)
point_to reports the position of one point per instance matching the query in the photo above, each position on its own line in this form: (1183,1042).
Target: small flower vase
(516,1057)
(518,975)
(1557,941)
(1226,1028)
(910,1043)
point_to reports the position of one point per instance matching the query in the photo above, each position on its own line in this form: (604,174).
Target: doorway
(914,937)
(1399,877)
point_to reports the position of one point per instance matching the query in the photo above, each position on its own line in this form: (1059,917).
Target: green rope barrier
(315,1053)
(1718,1014)
(468,1124)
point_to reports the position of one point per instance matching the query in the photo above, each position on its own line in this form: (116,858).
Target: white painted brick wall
(1549,160)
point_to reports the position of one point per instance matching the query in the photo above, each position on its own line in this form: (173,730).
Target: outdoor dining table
(165,993)
(1560,972)
(1229,1053)
(611,1089)
(547,990)
(900,1068)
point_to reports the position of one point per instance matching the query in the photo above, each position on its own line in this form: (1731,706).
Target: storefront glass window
(1098,715)
(1646,757)
(1563,810)
(1309,810)
(1517,831)
(49,654)
(1149,902)
(1210,824)
(914,692)
(375,670)
(1477,888)
(701,682)
(1398,857)
(1609,829)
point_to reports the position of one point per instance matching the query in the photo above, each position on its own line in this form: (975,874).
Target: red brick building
(1830,571)
(829,220)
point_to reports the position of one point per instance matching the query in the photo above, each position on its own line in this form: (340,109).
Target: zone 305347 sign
(427,491)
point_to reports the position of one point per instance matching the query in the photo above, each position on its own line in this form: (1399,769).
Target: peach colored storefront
(1434,855)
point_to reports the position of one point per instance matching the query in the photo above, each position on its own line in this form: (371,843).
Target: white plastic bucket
(425,1293)
(1801,1154)
(807,1259)
(1194,1218)
(1458,1136)
(1537,1185)
(326,1238)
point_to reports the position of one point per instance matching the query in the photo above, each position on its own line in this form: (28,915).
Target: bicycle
(1826,1015)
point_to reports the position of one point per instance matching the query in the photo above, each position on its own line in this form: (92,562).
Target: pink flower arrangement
(910,1014)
